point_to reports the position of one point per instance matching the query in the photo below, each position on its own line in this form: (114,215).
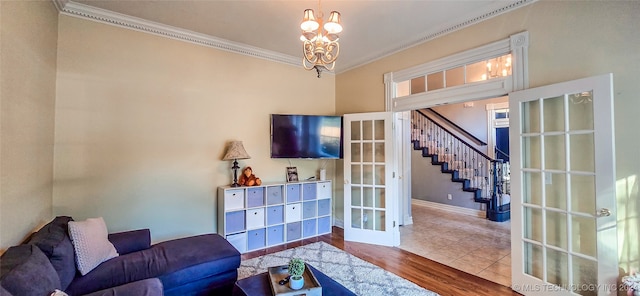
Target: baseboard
(448,208)
(338,222)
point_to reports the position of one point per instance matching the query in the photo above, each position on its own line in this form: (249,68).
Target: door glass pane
(556,229)
(380,198)
(581,111)
(356,153)
(380,220)
(379,127)
(379,152)
(556,191)
(583,194)
(582,152)
(379,175)
(533,260)
(356,218)
(557,267)
(583,235)
(367,217)
(455,76)
(554,114)
(554,152)
(585,276)
(367,197)
(367,130)
(435,81)
(356,174)
(367,174)
(532,188)
(356,196)
(531,117)
(531,152)
(417,85)
(367,152)
(532,223)
(355,130)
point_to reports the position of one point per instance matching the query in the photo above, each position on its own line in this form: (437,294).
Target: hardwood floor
(426,273)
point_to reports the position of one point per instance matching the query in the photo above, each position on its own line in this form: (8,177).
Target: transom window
(493,68)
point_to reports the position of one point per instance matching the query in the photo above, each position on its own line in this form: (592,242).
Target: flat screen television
(306,136)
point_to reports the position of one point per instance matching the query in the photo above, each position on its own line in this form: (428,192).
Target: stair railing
(482,171)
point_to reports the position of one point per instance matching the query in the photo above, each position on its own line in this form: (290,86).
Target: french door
(370,199)
(563,236)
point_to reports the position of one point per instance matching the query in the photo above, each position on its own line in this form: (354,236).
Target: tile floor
(471,244)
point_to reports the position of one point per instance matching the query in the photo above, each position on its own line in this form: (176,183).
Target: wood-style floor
(426,273)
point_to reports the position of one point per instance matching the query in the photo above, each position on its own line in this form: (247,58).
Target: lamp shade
(309,22)
(333,25)
(236,151)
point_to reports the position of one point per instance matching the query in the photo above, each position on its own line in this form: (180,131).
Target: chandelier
(320,43)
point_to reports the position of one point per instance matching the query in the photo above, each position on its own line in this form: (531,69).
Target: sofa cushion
(131,241)
(53,240)
(210,251)
(148,287)
(26,270)
(90,243)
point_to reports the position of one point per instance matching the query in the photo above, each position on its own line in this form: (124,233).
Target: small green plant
(296,267)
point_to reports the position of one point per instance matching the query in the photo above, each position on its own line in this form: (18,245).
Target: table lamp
(235,151)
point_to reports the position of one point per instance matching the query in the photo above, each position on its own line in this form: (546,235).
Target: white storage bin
(255,218)
(239,241)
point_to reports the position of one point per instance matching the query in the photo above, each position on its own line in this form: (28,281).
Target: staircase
(486,178)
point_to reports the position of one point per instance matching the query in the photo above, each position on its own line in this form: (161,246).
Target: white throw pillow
(58,293)
(90,243)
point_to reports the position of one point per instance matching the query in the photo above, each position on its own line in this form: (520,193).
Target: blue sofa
(197,265)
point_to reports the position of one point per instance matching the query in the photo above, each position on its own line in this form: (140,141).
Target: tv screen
(306,136)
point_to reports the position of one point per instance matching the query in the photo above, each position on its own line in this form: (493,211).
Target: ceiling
(372,29)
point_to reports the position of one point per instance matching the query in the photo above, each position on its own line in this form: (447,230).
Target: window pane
(403,88)
(417,85)
(476,71)
(455,76)
(435,81)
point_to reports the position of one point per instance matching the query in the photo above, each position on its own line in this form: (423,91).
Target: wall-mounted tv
(306,136)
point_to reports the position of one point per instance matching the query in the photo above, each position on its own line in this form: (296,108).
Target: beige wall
(27,92)
(569,40)
(142,122)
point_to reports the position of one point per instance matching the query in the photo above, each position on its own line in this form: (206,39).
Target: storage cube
(309,191)
(294,231)
(235,221)
(309,209)
(293,212)
(274,195)
(324,190)
(234,199)
(324,207)
(256,239)
(239,241)
(309,228)
(275,235)
(255,218)
(293,192)
(275,215)
(324,225)
(255,197)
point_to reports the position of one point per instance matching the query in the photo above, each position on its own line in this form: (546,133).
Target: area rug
(357,275)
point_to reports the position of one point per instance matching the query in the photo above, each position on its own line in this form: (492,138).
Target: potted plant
(632,282)
(296,268)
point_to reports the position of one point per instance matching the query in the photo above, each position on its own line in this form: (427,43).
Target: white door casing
(563,207)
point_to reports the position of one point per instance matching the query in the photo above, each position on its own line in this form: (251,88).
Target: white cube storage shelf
(257,217)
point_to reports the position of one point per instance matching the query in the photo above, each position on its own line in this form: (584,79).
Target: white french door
(370,198)
(563,236)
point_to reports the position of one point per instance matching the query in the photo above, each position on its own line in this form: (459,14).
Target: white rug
(357,275)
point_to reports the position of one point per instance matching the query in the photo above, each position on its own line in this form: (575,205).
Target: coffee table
(258,285)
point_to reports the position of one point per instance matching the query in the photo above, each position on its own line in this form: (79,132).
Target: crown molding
(75,9)
(70,8)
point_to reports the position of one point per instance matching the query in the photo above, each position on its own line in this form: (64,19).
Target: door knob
(603,213)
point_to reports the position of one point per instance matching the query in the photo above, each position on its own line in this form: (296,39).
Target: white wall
(142,122)
(28,36)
